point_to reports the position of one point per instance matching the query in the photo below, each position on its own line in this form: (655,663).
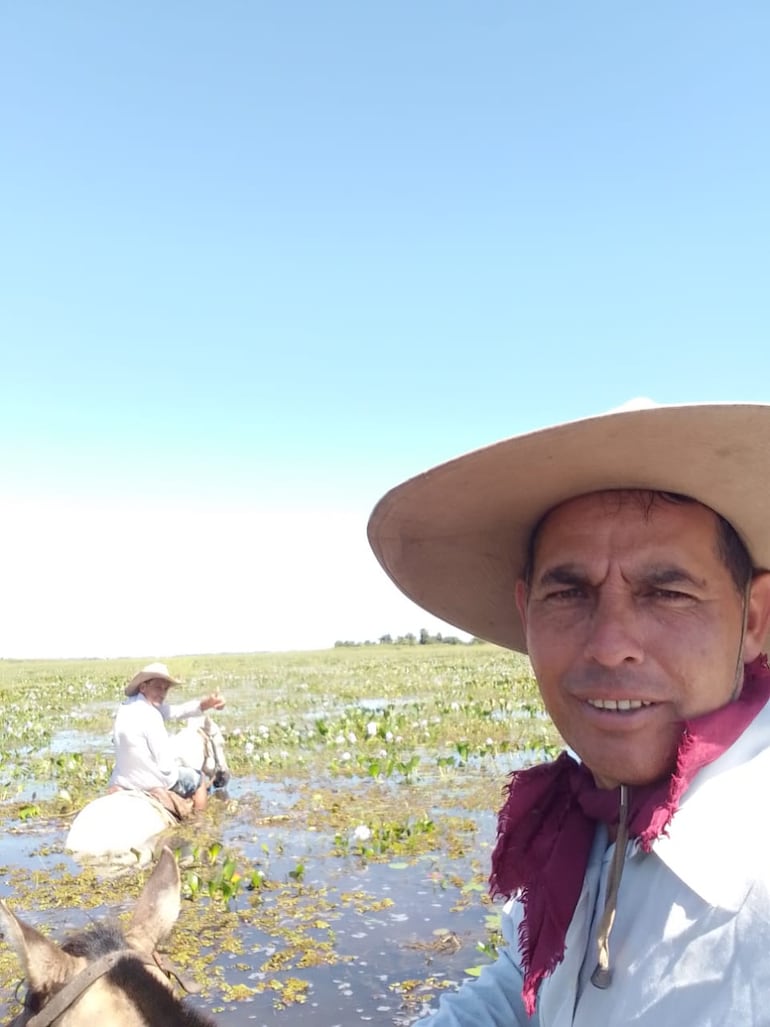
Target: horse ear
(45,964)
(157,908)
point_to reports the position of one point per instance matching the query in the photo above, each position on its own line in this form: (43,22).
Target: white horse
(104,975)
(125,825)
(200,744)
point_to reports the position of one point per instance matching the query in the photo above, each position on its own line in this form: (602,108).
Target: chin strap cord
(602,975)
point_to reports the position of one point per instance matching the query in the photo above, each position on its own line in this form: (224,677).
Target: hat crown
(156,668)
(637,403)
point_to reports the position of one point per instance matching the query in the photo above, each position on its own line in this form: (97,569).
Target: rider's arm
(181,710)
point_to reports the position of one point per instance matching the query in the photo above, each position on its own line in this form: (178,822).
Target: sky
(261,261)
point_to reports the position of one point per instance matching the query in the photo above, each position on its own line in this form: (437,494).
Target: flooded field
(342,876)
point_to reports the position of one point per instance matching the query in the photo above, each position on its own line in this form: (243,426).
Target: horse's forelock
(95,941)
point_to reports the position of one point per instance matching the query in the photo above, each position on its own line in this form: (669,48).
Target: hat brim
(139,679)
(455,538)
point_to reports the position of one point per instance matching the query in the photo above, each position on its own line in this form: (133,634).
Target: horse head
(102,975)
(215,762)
(200,744)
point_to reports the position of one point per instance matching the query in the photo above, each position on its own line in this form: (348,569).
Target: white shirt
(691,940)
(144,757)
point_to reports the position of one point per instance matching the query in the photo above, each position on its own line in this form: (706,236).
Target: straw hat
(454,539)
(152,670)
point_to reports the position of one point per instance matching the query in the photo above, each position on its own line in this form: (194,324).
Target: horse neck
(214,745)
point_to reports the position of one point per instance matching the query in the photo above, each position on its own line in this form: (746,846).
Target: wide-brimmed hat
(455,538)
(152,670)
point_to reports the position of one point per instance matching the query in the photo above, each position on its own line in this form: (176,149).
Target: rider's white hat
(148,673)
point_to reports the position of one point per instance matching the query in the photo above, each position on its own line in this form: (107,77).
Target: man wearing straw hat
(628,555)
(144,757)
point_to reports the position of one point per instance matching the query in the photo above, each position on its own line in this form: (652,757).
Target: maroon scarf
(546,827)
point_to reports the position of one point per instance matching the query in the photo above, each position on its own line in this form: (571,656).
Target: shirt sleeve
(181,710)
(493,999)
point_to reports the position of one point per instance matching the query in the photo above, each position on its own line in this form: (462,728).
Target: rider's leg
(201,794)
(192,784)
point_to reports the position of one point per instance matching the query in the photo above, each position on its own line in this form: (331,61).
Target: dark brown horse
(103,975)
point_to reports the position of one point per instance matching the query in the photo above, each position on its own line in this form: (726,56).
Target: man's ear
(757,616)
(522,597)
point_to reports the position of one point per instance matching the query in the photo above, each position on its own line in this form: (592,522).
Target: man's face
(633,624)
(155,690)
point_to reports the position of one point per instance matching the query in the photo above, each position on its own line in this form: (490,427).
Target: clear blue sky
(262,260)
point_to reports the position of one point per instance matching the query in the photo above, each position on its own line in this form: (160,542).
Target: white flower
(352,737)
(362,833)
(388,736)
(345,757)
(371,728)
(489,743)
(248,748)
(340,739)
(455,706)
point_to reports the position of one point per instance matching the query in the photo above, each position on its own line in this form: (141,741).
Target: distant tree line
(424,638)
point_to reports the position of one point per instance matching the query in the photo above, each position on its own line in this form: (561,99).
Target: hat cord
(602,975)
(739,665)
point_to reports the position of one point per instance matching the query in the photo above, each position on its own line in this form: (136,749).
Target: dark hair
(731,549)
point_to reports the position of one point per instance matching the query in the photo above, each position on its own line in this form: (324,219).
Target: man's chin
(630,776)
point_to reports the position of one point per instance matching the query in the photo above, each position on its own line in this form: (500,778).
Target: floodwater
(409,921)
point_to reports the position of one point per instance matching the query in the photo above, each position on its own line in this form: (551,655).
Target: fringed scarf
(547,825)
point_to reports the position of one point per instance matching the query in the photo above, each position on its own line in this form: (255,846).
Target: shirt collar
(719,838)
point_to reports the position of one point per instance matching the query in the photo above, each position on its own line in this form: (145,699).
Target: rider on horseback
(144,757)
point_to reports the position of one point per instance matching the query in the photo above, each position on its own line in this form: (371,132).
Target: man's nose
(614,633)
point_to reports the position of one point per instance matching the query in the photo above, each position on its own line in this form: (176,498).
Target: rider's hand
(213,702)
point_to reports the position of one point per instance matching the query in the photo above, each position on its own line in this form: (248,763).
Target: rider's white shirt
(691,939)
(144,757)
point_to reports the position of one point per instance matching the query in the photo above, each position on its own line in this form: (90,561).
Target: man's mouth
(619,704)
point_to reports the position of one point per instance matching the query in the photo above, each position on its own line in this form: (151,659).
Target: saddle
(180,808)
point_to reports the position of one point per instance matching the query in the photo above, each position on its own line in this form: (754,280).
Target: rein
(74,988)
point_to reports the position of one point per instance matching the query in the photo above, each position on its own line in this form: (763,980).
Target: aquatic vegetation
(365,786)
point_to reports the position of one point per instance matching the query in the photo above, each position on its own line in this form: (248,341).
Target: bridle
(74,988)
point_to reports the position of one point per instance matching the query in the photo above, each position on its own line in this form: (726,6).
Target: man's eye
(575,592)
(670,595)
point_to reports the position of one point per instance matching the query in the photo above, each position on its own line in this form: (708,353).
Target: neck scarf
(547,824)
